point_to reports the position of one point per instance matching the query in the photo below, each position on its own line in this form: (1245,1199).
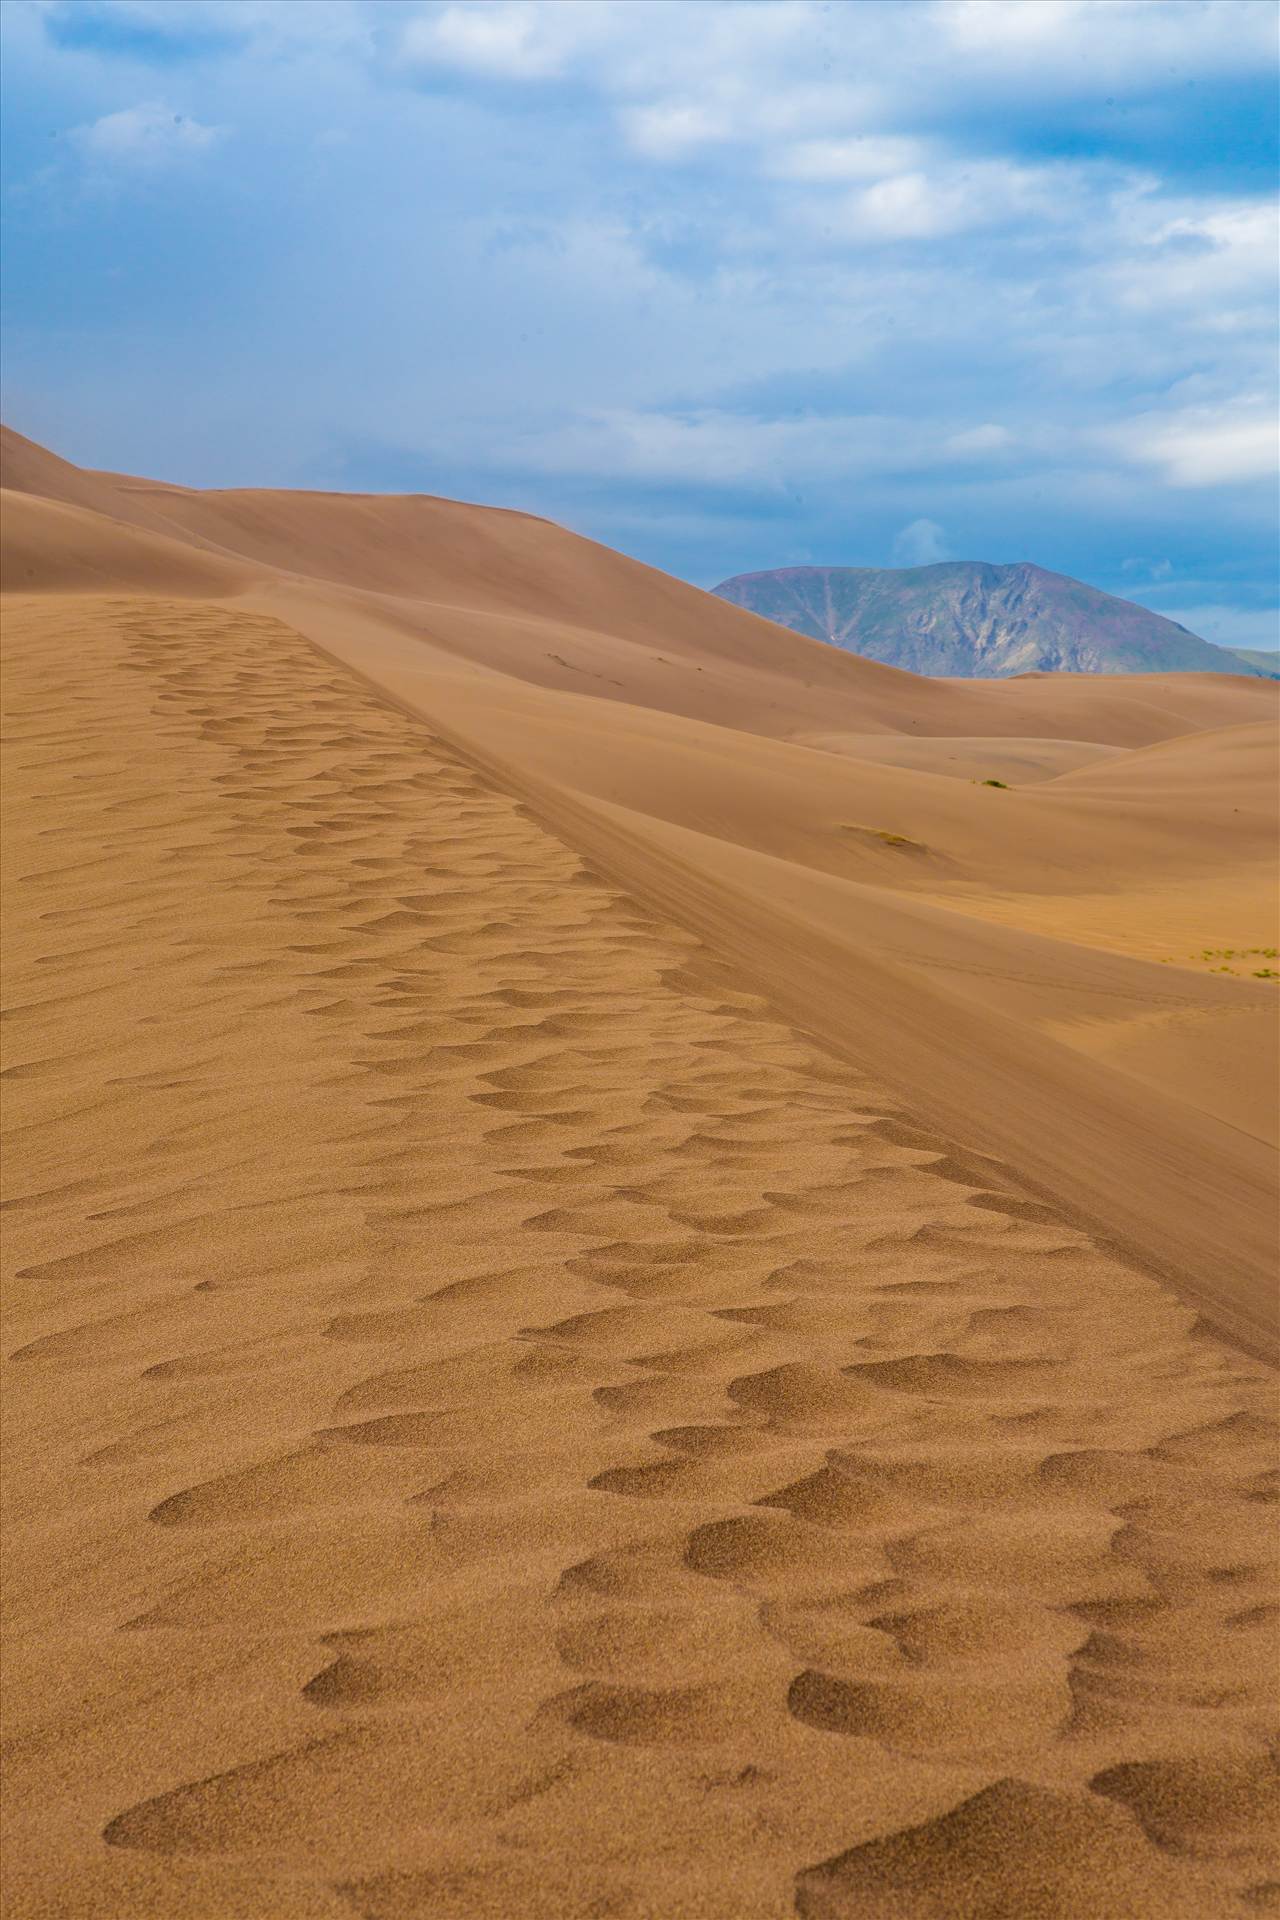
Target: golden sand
(500,1419)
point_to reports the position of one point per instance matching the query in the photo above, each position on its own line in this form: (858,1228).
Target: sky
(727,285)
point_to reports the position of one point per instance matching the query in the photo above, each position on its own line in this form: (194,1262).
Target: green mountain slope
(1267,664)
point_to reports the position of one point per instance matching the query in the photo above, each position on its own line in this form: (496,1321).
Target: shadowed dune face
(501,1418)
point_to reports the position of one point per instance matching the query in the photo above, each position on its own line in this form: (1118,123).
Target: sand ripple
(501,1424)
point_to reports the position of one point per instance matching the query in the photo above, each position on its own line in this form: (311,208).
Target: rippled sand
(500,1421)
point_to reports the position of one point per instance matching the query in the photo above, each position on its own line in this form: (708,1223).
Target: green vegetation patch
(886,839)
(1224,955)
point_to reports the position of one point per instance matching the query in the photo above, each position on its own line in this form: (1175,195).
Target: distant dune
(969,618)
(640,1252)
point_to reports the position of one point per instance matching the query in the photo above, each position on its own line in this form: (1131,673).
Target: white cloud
(1230,626)
(1213,262)
(503,39)
(670,128)
(860,157)
(957,196)
(1088,47)
(920,544)
(705,446)
(975,443)
(643,50)
(499,40)
(146,135)
(716,447)
(810,85)
(910,206)
(1204,446)
(1007,29)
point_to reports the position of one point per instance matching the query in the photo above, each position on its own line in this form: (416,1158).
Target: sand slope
(590,683)
(513,1402)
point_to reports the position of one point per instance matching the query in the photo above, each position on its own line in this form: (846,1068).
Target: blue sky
(728,286)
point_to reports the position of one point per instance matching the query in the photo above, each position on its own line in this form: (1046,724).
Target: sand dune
(841,886)
(445,584)
(614,1305)
(59,546)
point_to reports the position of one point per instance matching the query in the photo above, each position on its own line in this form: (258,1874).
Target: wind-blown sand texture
(513,1405)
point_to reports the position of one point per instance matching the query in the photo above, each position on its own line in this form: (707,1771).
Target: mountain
(1267,664)
(976,621)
